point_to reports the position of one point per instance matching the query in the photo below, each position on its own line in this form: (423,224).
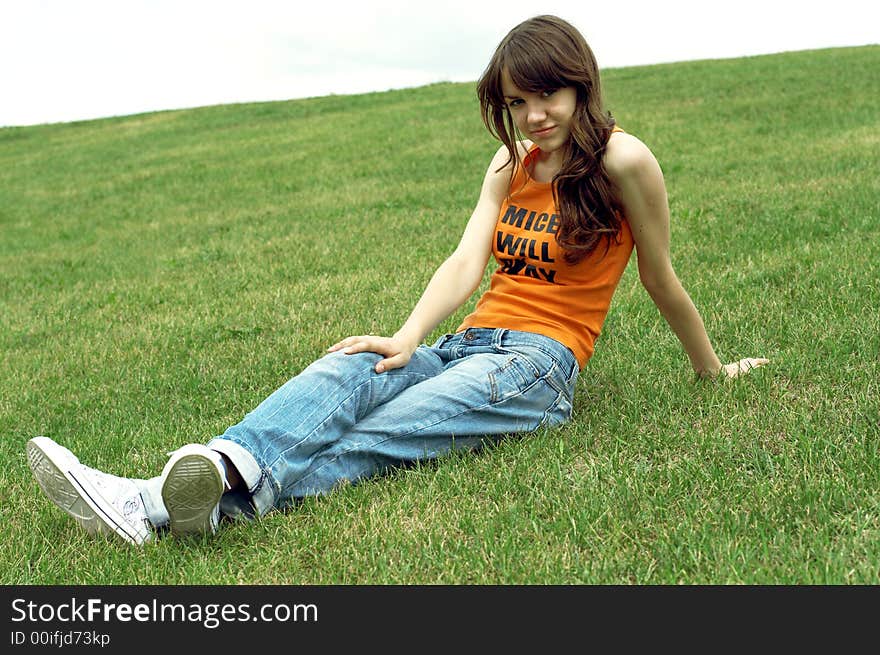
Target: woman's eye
(548,92)
(515,103)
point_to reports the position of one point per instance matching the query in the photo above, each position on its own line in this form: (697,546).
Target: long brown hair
(547,53)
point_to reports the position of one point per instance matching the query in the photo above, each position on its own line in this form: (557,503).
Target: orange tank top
(534,289)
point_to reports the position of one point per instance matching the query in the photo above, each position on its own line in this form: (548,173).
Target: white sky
(64,60)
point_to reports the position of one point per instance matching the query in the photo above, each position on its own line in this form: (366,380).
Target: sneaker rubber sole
(74,494)
(191,492)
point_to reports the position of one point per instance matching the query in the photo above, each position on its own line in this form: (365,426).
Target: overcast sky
(64,60)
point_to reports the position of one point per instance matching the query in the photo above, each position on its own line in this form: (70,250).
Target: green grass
(160,274)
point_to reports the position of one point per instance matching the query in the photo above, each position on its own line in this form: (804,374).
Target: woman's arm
(452,283)
(636,174)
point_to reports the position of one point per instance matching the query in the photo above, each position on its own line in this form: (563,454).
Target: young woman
(564,201)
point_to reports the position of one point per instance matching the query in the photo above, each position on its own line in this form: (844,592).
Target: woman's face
(542,116)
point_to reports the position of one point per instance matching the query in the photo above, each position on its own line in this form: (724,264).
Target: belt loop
(498,340)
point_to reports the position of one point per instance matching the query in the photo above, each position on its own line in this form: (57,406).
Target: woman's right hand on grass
(743,366)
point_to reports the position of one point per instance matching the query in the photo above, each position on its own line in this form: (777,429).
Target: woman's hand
(743,366)
(396,351)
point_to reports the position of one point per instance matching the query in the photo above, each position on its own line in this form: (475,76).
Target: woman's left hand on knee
(396,352)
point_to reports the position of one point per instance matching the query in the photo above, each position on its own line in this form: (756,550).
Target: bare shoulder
(502,155)
(501,167)
(627,157)
(524,146)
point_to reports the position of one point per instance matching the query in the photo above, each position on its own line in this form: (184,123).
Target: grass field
(160,274)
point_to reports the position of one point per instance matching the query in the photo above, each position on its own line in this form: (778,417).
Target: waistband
(504,338)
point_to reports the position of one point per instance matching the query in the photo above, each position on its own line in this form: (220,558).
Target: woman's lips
(544,132)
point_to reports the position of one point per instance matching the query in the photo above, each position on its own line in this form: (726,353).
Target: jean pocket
(535,359)
(512,377)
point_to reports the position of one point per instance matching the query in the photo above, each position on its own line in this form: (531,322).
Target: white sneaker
(193,481)
(99,502)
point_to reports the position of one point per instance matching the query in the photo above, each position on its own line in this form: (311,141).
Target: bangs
(531,68)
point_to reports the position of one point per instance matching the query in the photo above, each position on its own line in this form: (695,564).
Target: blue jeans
(339,420)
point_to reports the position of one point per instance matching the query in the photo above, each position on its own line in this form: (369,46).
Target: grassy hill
(160,274)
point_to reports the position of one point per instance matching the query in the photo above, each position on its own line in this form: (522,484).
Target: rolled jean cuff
(151,493)
(259,490)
